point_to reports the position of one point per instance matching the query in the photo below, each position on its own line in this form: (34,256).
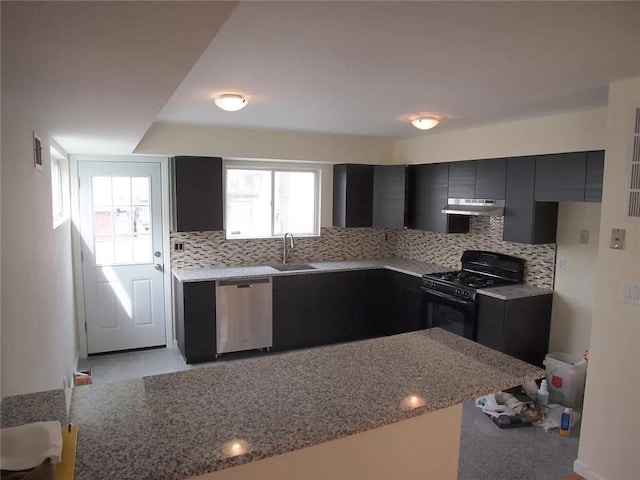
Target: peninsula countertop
(403,265)
(179,425)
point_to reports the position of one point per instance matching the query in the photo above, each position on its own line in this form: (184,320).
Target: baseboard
(585,471)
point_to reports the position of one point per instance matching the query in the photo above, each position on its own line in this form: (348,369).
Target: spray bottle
(543,393)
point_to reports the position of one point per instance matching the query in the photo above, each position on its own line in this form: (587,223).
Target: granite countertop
(402,265)
(510,292)
(179,425)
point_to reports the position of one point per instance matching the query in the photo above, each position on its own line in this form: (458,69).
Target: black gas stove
(480,269)
(449,297)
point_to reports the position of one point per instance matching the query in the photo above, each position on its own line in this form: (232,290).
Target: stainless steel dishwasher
(243,315)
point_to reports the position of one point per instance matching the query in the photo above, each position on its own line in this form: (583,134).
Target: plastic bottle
(543,393)
(565,422)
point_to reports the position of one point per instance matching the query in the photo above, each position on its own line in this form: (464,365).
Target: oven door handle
(449,298)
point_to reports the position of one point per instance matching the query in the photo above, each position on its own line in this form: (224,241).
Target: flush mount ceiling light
(424,122)
(231,102)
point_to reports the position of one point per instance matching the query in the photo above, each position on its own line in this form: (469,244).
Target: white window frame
(316,207)
(59,159)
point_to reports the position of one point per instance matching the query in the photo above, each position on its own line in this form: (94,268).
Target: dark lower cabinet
(519,327)
(325,308)
(195,319)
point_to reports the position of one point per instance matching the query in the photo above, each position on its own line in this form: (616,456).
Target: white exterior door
(122,257)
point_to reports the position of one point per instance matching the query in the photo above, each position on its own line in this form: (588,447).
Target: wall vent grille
(633,205)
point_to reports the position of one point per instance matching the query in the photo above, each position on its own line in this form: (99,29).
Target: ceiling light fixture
(231,102)
(424,122)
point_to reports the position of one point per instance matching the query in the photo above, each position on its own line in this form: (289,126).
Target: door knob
(158,267)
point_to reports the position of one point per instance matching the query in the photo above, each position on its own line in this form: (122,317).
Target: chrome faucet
(286,250)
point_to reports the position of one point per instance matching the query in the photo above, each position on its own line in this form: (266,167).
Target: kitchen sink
(289,267)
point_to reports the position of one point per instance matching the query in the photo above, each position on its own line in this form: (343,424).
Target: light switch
(630,292)
(584,236)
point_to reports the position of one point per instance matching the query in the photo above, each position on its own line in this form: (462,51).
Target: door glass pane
(121,220)
(121,190)
(140,190)
(294,202)
(102,221)
(141,220)
(103,248)
(123,246)
(101,190)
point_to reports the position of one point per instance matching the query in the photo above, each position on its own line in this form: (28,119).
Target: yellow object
(66,468)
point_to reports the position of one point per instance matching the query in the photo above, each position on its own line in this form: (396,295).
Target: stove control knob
(458,291)
(466,294)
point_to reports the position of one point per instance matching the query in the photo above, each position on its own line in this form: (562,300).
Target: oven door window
(450,313)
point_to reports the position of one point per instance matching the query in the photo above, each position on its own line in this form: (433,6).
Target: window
(263,203)
(59,187)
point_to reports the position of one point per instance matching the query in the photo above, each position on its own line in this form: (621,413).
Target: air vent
(633,206)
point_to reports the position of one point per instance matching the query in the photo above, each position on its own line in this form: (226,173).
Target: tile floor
(486,452)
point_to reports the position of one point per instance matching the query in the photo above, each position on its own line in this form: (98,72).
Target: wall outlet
(584,236)
(617,238)
(562,264)
(178,246)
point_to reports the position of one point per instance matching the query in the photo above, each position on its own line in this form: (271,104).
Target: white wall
(575,284)
(39,343)
(610,439)
(568,132)
(172,139)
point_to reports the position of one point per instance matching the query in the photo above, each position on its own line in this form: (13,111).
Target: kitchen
(589,129)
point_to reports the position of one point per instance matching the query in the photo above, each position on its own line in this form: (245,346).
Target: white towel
(27,446)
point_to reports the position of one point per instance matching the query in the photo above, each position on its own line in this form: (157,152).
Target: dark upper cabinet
(389,196)
(196,194)
(195,320)
(352,195)
(595,174)
(561,177)
(462,179)
(428,190)
(518,327)
(525,220)
(491,178)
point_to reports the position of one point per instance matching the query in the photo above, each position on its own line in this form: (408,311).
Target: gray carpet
(486,452)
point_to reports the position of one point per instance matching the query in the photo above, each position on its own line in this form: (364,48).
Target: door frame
(76,239)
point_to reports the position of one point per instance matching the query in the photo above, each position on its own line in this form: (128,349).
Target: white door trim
(76,239)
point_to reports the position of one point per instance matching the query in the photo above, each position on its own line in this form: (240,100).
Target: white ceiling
(365,67)
(94,75)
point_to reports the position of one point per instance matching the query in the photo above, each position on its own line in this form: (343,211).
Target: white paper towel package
(27,446)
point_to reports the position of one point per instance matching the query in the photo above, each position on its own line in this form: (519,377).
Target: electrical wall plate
(617,238)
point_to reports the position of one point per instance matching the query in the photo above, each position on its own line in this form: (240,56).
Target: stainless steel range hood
(474,206)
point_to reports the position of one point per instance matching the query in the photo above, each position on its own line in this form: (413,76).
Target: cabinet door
(527,326)
(462,179)
(595,174)
(352,195)
(561,177)
(389,187)
(375,295)
(288,312)
(525,220)
(429,185)
(491,178)
(490,328)
(342,318)
(199,321)
(196,194)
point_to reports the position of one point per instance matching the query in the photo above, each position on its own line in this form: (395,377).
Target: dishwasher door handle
(245,286)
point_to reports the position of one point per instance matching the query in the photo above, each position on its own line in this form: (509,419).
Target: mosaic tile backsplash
(204,249)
